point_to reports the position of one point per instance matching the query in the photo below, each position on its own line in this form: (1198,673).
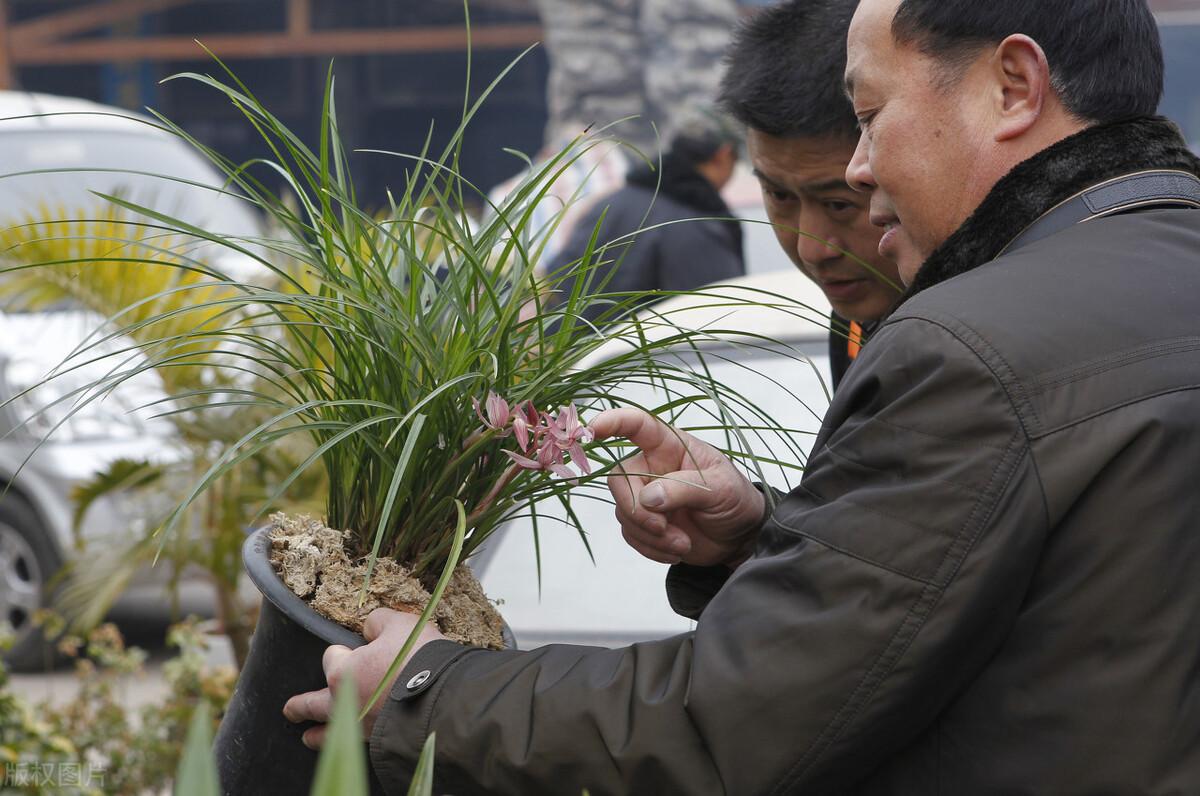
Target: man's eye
(835,206)
(777,196)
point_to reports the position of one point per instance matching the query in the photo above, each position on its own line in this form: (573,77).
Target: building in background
(400,65)
(648,61)
(1179,25)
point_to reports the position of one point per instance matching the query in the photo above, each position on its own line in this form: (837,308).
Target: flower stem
(490,497)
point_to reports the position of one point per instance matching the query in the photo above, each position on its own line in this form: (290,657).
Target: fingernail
(681,545)
(652,497)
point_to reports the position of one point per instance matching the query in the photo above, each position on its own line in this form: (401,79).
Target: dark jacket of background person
(986,583)
(681,255)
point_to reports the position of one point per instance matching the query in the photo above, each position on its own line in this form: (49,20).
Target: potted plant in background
(124,277)
(442,381)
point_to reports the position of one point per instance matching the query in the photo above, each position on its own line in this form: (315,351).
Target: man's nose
(816,249)
(858,172)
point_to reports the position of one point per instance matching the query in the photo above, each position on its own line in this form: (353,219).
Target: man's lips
(844,289)
(891,227)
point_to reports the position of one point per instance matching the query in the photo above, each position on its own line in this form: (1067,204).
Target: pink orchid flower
(553,437)
(570,435)
(498,412)
(549,459)
(525,420)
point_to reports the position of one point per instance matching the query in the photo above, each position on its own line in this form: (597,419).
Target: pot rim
(256,558)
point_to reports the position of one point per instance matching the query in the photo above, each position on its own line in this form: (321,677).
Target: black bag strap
(1118,195)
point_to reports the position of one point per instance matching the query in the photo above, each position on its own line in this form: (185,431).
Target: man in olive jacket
(988,581)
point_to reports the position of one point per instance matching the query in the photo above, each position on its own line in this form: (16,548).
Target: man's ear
(728,155)
(1021,75)
(723,163)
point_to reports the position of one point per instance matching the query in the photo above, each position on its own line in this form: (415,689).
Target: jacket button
(419,679)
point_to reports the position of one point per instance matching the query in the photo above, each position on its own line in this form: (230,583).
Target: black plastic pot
(258,751)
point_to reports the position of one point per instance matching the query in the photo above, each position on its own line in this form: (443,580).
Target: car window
(620,599)
(60,408)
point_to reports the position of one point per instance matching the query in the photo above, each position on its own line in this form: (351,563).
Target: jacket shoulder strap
(1118,195)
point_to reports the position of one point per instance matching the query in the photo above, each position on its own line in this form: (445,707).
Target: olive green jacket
(988,581)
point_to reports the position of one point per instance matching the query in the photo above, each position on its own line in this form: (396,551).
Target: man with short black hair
(783,81)
(987,581)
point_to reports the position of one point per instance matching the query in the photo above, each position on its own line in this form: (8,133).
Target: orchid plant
(442,377)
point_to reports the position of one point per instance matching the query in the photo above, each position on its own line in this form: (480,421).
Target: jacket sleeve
(880,588)
(690,589)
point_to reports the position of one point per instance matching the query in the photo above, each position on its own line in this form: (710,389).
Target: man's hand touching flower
(679,499)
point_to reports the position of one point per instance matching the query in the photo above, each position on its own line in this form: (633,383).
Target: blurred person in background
(784,82)
(629,68)
(667,229)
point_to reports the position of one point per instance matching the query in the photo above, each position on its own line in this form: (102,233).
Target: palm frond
(120,475)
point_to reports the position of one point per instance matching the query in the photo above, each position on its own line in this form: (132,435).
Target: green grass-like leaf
(422,783)
(342,766)
(197,774)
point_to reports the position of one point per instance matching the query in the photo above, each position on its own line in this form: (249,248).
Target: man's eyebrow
(765,178)
(825,186)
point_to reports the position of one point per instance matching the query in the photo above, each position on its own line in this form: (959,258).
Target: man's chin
(909,264)
(865,311)
(908,260)
(898,247)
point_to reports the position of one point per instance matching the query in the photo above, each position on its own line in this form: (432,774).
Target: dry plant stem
(228,607)
(486,504)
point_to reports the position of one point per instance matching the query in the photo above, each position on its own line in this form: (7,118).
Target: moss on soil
(312,561)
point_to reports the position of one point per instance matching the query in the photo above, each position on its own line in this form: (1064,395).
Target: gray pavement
(143,623)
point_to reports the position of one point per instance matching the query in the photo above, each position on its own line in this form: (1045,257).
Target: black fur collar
(1072,165)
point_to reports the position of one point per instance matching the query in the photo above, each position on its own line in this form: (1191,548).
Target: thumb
(683,489)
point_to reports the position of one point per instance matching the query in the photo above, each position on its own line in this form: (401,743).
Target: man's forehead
(814,165)
(870,30)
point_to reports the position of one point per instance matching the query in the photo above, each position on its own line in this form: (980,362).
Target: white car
(54,152)
(620,599)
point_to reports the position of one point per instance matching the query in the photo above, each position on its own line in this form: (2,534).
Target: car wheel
(27,562)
